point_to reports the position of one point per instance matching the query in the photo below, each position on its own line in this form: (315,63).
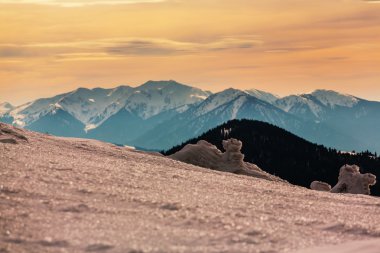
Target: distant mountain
(161,114)
(148,105)
(286,155)
(58,122)
(115,115)
(349,115)
(216,109)
(262,95)
(124,126)
(5,107)
(235,104)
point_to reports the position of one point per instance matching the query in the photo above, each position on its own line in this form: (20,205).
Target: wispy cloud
(77,3)
(123,46)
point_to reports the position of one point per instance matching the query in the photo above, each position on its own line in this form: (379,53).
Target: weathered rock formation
(10,136)
(320,186)
(206,155)
(350,180)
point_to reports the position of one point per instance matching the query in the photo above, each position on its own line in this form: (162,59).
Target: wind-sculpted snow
(75,195)
(350,180)
(206,155)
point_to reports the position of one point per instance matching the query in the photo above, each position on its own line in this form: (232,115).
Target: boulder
(320,186)
(350,180)
(206,155)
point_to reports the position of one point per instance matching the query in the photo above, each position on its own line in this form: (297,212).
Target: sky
(281,46)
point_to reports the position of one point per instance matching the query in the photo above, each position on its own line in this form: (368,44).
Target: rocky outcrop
(206,155)
(10,136)
(320,186)
(350,180)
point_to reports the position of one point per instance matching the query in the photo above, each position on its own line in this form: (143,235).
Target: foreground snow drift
(73,195)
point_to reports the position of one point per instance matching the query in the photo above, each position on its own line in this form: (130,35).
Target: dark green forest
(286,155)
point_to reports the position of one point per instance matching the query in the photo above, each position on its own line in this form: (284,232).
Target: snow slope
(75,195)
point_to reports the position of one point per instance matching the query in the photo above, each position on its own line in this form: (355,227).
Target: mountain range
(161,114)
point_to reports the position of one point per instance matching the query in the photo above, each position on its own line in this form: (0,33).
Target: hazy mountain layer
(161,114)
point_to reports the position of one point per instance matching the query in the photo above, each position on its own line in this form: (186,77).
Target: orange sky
(282,46)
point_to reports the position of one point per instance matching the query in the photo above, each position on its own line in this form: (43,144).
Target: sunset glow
(293,46)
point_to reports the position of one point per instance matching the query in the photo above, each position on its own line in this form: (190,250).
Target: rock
(10,136)
(320,186)
(352,181)
(7,140)
(233,158)
(206,155)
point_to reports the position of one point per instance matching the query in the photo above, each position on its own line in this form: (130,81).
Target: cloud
(118,47)
(77,3)
(170,47)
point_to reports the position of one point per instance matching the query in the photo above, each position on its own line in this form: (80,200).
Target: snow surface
(75,195)
(368,246)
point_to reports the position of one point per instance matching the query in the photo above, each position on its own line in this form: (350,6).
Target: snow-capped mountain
(59,122)
(349,115)
(147,106)
(263,95)
(332,98)
(301,105)
(216,109)
(93,106)
(83,104)
(159,114)
(324,117)
(28,113)
(316,104)
(88,105)
(153,98)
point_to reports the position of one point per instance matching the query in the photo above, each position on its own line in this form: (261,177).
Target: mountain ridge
(156,107)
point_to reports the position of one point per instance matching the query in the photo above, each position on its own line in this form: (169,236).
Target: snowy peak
(93,106)
(87,105)
(263,95)
(333,98)
(28,113)
(219,99)
(160,85)
(299,104)
(155,97)
(5,107)
(315,104)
